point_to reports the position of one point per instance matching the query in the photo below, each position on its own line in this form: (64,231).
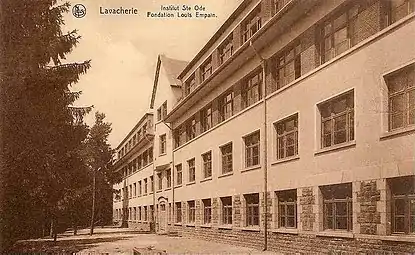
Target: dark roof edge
(217,34)
(134,128)
(156,78)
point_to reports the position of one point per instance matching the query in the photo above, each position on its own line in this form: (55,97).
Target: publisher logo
(79,11)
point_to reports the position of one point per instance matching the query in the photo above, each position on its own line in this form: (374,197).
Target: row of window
(140,188)
(334,35)
(336,207)
(141,132)
(139,162)
(139,213)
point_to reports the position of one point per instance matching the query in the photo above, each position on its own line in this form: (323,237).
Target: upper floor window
(179,136)
(251,89)
(206,69)
(226,106)
(144,129)
(134,139)
(162,144)
(179,174)
(159,114)
(160,181)
(164,110)
(401,94)
(226,49)
(168,178)
(207,164)
(252,24)
(252,149)
(288,66)
(337,211)
(206,118)
(150,154)
(145,186)
(403,204)
(400,9)
(190,85)
(192,170)
(287,137)
(191,129)
(151,183)
(226,152)
(337,120)
(145,158)
(279,4)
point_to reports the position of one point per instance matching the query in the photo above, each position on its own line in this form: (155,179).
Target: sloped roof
(172,68)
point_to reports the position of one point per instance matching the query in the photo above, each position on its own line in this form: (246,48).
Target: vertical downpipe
(264,90)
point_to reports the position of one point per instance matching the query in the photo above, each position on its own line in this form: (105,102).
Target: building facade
(294,130)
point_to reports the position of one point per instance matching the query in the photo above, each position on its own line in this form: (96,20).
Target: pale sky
(124,49)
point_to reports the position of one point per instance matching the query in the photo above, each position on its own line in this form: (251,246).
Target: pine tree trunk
(93,205)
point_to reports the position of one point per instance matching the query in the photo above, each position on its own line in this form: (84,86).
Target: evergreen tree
(41,131)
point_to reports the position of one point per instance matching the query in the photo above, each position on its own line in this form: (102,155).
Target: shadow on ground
(42,246)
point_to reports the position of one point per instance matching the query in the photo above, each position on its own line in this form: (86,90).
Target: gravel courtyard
(123,241)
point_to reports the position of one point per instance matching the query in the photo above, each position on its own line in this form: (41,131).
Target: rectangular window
(150,154)
(139,188)
(206,69)
(287,137)
(168,177)
(207,211)
(145,214)
(226,106)
(135,189)
(144,128)
(206,118)
(226,152)
(159,114)
(178,212)
(279,4)
(192,211)
(139,214)
(191,129)
(207,164)
(337,202)
(399,9)
(287,208)
(151,183)
(179,174)
(226,210)
(160,181)
(252,24)
(145,186)
(162,144)
(164,110)
(145,158)
(251,89)
(135,213)
(252,149)
(403,204)
(252,210)
(130,191)
(192,170)
(401,94)
(139,162)
(151,213)
(226,49)
(337,120)
(288,66)
(189,85)
(179,136)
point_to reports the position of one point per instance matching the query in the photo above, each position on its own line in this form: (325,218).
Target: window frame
(250,148)
(207,164)
(226,158)
(252,213)
(191,164)
(227,211)
(207,211)
(206,69)
(206,118)
(163,144)
(226,105)
(330,197)
(179,167)
(283,136)
(226,49)
(349,114)
(191,215)
(252,92)
(251,24)
(190,84)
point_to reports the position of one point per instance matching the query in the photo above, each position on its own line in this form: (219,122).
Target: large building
(291,130)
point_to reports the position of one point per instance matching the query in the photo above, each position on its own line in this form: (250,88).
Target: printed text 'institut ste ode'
(292,129)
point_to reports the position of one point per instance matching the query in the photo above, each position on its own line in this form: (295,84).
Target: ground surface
(123,241)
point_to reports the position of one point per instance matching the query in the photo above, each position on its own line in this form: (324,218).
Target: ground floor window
(207,211)
(252,209)
(287,208)
(192,211)
(337,202)
(403,204)
(178,212)
(226,210)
